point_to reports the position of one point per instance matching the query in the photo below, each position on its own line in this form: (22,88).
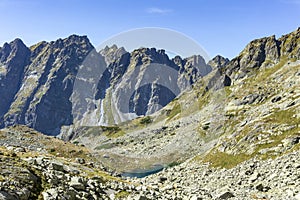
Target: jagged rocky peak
(17,43)
(112,53)
(37,48)
(13,55)
(179,61)
(13,59)
(196,60)
(111,49)
(260,50)
(9,50)
(62,46)
(218,62)
(80,43)
(45,83)
(290,44)
(264,52)
(71,40)
(144,56)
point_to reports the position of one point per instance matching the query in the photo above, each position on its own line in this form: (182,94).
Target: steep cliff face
(149,84)
(13,59)
(45,81)
(136,83)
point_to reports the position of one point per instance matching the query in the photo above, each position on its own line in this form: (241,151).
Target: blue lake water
(140,173)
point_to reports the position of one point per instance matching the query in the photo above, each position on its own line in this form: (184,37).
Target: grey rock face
(77,183)
(290,44)
(143,88)
(218,80)
(137,83)
(112,53)
(13,59)
(264,52)
(218,62)
(43,83)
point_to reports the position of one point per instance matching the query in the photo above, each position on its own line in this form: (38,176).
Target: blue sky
(219,26)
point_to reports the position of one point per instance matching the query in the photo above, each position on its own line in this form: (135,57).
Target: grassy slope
(263,129)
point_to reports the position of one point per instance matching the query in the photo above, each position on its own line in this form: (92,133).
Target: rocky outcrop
(263,53)
(218,62)
(289,44)
(258,52)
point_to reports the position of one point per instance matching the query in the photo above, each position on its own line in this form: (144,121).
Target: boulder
(77,183)
(226,195)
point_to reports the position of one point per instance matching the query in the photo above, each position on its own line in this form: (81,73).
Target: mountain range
(37,82)
(225,129)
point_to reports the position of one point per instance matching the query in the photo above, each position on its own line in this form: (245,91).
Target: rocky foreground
(49,171)
(254,179)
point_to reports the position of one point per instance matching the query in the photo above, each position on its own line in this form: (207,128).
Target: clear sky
(219,26)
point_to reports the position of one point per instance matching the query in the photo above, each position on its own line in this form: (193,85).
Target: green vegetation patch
(112,131)
(174,111)
(146,120)
(266,73)
(173,164)
(108,131)
(224,160)
(2,178)
(122,195)
(283,117)
(2,135)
